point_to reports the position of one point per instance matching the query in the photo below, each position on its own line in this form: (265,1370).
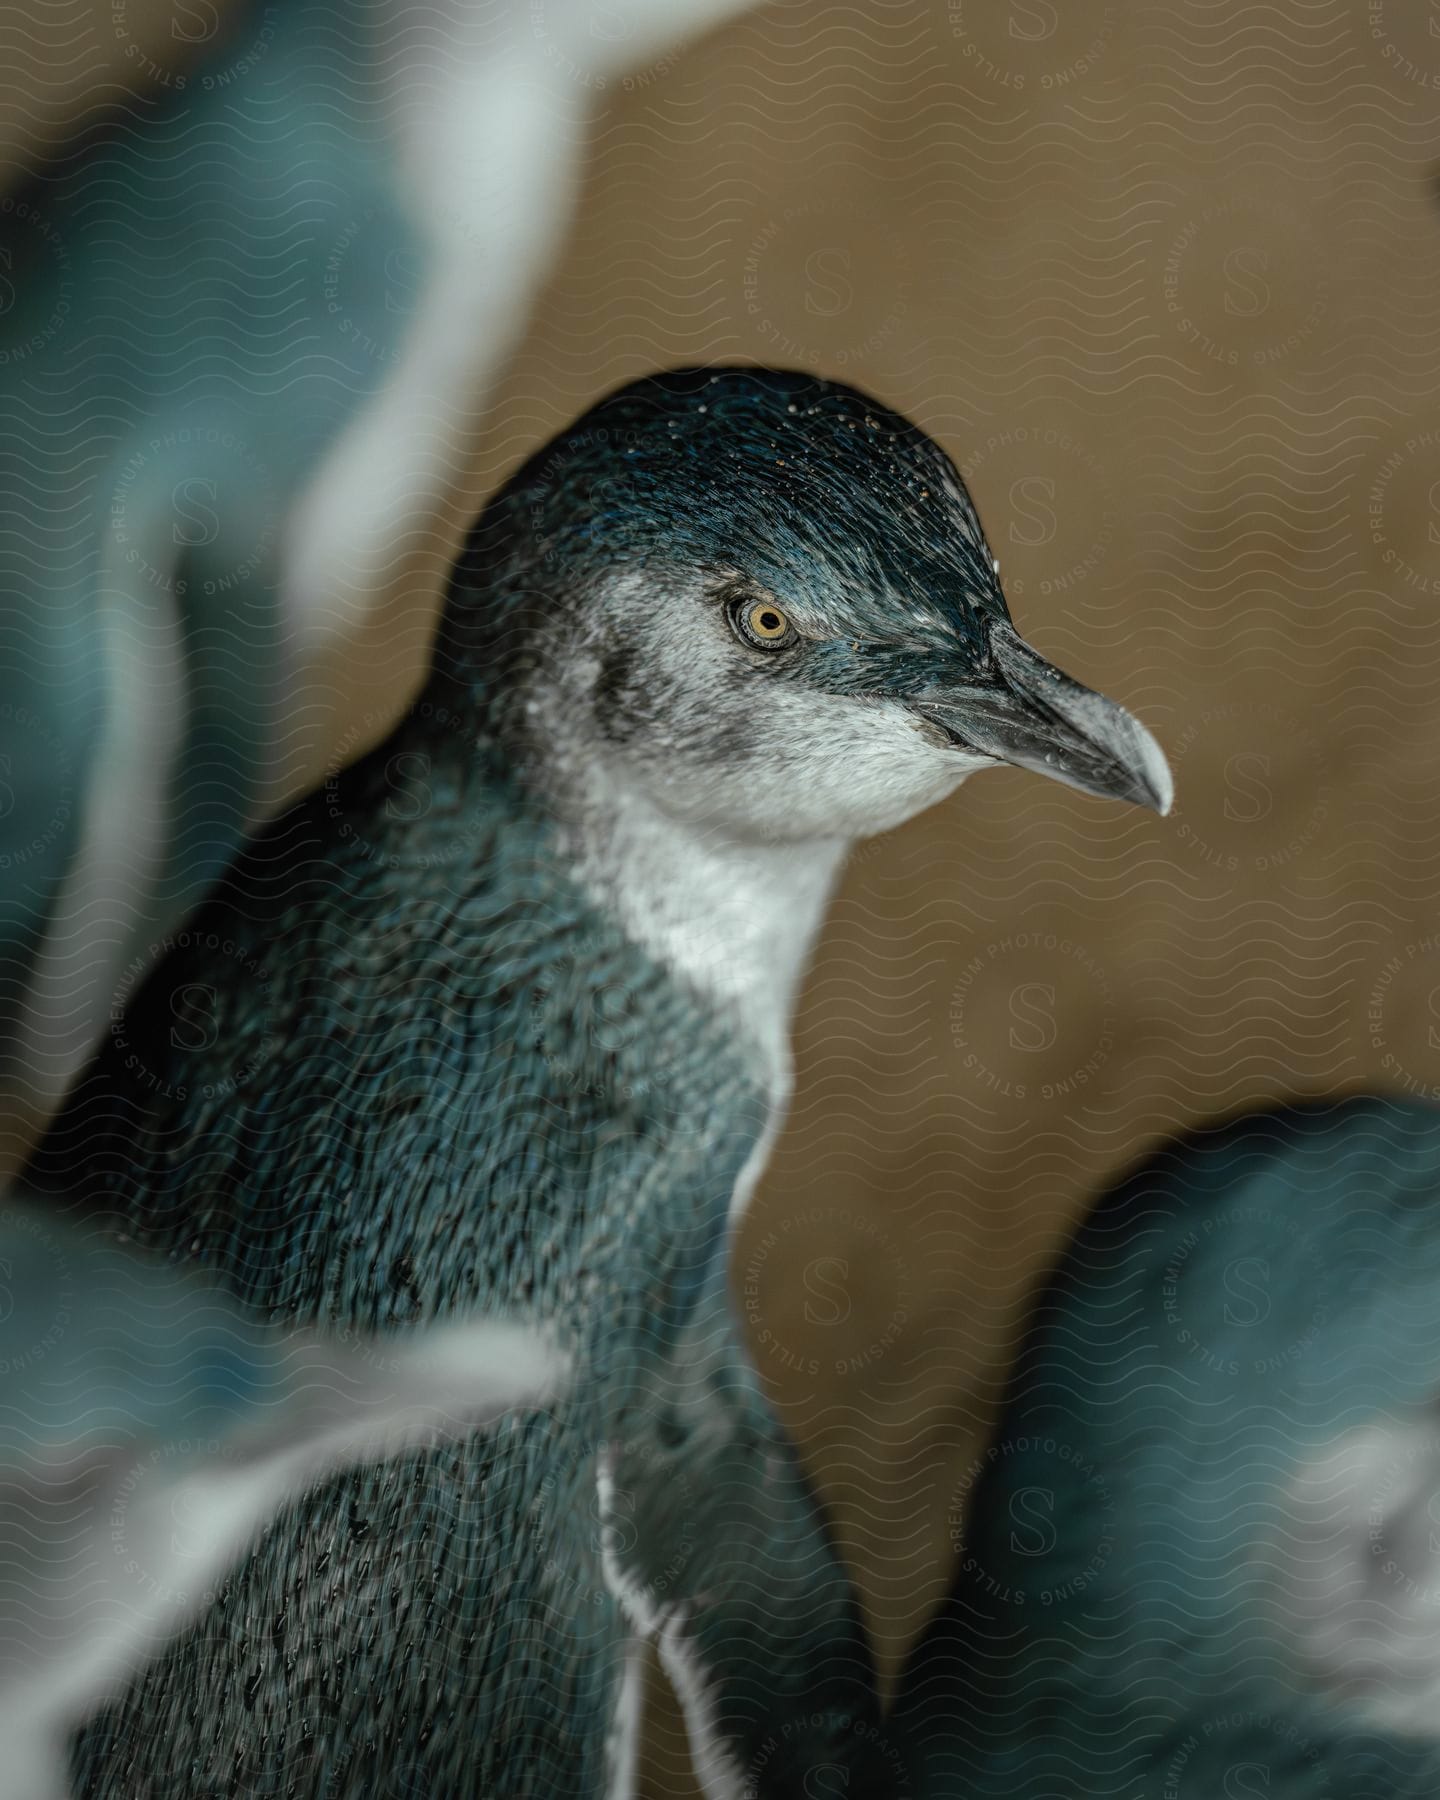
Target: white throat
(734,919)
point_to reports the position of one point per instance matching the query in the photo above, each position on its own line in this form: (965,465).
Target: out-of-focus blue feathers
(1227,1404)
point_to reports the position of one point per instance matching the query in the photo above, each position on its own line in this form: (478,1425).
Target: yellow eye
(762,624)
(768,622)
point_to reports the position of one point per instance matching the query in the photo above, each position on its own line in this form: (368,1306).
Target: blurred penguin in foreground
(1201,1556)
(251,314)
(150,1427)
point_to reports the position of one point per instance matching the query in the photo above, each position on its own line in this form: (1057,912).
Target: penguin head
(769,598)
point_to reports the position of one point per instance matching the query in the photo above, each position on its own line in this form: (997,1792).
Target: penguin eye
(761,624)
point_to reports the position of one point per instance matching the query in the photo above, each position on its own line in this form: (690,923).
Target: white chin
(891,810)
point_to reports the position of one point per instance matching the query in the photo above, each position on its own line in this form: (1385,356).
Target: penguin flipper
(718,1552)
(150,1428)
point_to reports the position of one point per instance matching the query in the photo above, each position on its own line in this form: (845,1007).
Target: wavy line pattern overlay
(1164,278)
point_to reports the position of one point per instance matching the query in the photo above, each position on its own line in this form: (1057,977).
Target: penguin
(150,1427)
(1199,1557)
(496,1021)
(195,317)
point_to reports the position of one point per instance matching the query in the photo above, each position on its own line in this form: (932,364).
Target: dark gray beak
(1034,716)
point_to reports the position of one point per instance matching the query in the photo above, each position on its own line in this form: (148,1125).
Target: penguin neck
(734,920)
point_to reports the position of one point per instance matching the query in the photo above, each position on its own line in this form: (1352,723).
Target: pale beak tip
(1158,782)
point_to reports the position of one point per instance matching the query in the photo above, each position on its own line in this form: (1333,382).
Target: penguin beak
(1031,714)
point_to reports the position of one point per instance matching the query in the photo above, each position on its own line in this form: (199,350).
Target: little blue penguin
(1200,1558)
(150,1427)
(495,1021)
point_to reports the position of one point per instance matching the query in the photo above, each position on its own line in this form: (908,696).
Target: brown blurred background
(1168,288)
(1165,279)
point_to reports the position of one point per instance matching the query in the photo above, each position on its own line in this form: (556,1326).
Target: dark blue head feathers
(704,543)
